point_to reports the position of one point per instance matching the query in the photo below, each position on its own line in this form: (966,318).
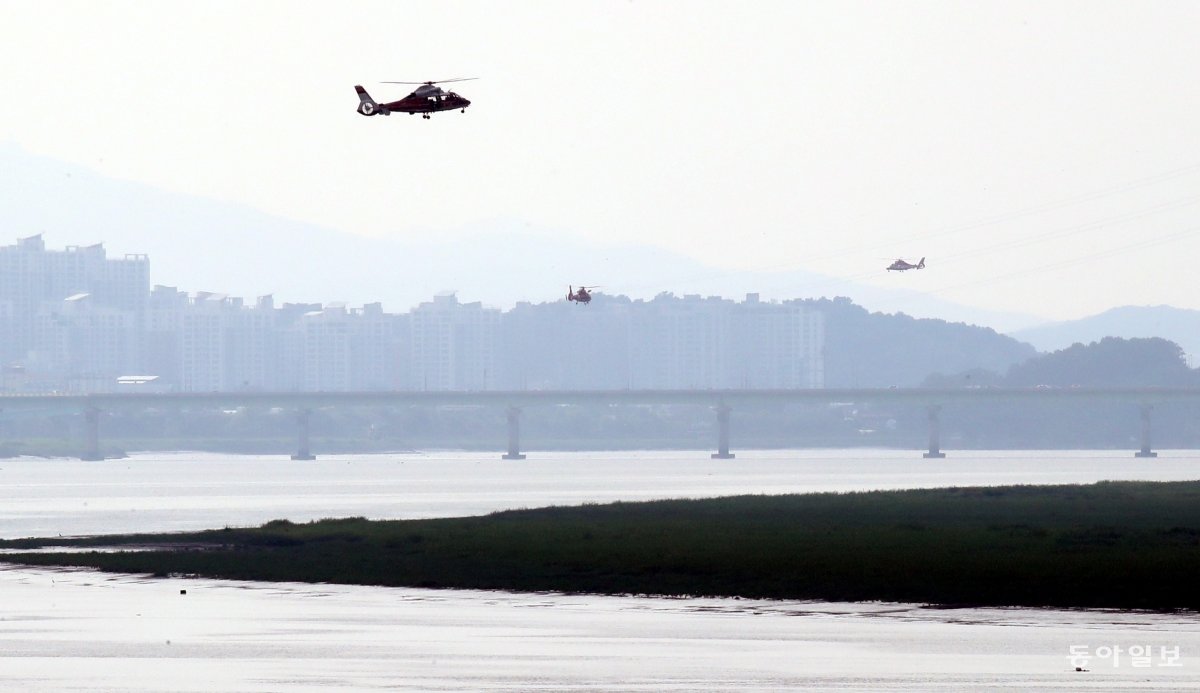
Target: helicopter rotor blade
(436,81)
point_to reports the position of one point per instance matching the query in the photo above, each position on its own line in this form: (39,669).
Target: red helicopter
(580,296)
(426,99)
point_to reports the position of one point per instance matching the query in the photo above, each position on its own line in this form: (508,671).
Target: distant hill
(864,349)
(1109,362)
(1178,325)
(197,244)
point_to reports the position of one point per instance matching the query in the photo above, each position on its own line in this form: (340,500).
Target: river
(86,631)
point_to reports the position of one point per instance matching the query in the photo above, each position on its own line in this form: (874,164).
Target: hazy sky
(1044,156)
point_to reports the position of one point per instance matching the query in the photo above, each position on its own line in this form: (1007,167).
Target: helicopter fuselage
(904,265)
(425,99)
(428,104)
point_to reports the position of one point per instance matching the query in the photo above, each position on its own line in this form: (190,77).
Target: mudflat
(1129,545)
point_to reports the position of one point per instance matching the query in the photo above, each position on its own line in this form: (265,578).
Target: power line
(1162,240)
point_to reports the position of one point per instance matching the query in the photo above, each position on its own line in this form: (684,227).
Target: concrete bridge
(723,402)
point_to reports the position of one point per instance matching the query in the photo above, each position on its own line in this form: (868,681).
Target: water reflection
(86,631)
(189,491)
(80,630)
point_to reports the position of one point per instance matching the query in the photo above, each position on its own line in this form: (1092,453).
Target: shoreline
(17,452)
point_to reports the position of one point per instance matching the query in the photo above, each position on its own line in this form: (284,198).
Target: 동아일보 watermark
(1141,656)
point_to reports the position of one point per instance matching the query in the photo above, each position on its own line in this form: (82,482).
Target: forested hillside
(864,349)
(1110,362)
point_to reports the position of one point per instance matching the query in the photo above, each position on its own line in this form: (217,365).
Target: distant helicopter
(426,99)
(580,296)
(902,265)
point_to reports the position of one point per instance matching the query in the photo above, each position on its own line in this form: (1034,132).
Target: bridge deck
(927,396)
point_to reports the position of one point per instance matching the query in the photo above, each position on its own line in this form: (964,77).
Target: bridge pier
(1146,451)
(302,422)
(514,435)
(722,452)
(91,436)
(935,433)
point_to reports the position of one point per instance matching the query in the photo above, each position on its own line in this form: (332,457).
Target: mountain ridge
(1179,325)
(195,243)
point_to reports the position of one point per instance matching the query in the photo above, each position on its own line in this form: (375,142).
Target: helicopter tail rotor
(366,105)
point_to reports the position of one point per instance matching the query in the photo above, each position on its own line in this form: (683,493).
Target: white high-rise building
(775,346)
(715,343)
(349,349)
(376,349)
(251,345)
(679,343)
(75,319)
(202,343)
(34,281)
(164,320)
(454,344)
(325,339)
(87,345)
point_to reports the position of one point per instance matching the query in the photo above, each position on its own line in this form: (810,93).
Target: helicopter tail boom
(367,105)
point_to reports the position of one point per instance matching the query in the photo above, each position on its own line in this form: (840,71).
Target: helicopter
(426,99)
(580,296)
(902,265)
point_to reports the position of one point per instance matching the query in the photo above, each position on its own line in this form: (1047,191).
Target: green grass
(1112,544)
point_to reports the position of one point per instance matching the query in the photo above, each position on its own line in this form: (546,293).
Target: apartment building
(77,320)
(454,344)
(75,312)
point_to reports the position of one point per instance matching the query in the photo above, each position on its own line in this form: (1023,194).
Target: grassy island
(1112,544)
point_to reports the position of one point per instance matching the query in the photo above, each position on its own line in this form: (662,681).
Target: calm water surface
(86,631)
(186,491)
